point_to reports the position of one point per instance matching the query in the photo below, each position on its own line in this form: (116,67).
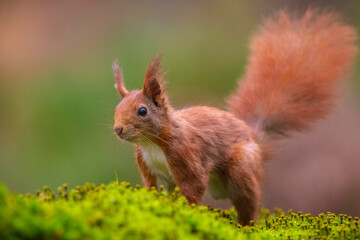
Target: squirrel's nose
(118,130)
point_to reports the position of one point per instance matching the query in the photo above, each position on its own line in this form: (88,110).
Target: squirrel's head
(142,115)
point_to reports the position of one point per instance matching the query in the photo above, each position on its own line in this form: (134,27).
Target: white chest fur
(156,161)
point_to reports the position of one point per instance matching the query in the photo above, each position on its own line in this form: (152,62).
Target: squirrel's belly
(156,161)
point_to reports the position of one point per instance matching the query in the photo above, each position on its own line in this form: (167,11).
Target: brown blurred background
(57,97)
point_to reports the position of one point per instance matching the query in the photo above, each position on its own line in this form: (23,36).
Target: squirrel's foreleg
(148,179)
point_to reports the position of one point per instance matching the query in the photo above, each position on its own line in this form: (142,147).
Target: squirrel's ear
(119,85)
(153,82)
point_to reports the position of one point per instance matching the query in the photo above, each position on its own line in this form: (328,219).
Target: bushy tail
(292,73)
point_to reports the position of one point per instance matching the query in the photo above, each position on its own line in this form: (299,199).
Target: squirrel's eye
(142,111)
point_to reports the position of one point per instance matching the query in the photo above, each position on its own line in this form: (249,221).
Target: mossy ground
(119,211)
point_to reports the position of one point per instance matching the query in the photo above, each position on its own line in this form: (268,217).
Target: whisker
(112,135)
(147,138)
(105,124)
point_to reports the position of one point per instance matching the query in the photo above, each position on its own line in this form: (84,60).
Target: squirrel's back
(293,71)
(213,126)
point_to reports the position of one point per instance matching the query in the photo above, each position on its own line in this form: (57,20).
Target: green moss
(119,211)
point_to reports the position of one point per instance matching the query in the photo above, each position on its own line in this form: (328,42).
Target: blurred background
(57,97)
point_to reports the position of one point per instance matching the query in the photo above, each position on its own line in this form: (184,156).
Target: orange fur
(290,82)
(293,71)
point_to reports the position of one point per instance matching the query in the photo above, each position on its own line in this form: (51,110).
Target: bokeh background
(57,97)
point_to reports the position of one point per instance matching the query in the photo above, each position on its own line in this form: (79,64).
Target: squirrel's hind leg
(244,186)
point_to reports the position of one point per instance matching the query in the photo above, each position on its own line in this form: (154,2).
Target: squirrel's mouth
(129,138)
(132,135)
(124,134)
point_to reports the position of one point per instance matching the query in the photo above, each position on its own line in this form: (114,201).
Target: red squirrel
(293,71)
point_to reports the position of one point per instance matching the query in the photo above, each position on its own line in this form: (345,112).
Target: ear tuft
(153,83)
(118,74)
(154,68)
